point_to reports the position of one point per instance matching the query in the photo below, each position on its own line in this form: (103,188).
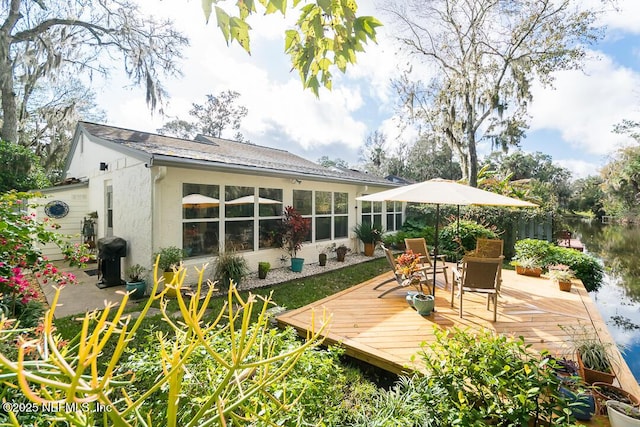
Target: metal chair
(479,275)
(398,277)
(419,246)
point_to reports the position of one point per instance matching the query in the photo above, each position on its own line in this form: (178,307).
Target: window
(239,217)
(331,215)
(200,219)
(270,213)
(394,216)
(371,213)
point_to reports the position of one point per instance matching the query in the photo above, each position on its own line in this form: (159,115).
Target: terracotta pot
(591,376)
(603,392)
(564,286)
(369,248)
(529,271)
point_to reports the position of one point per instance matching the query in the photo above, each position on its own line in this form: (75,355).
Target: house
(205,196)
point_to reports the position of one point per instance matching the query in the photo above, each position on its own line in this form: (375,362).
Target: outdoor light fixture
(104,166)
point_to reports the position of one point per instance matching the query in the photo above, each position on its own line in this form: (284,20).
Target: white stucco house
(207,195)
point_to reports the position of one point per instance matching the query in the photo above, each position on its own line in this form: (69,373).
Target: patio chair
(488,248)
(419,246)
(479,275)
(401,282)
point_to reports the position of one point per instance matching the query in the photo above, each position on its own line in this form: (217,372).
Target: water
(618,299)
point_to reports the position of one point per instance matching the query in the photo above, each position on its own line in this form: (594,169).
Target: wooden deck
(387,333)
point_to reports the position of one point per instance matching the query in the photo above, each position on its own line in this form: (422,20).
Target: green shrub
(455,245)
(230,266)
(586,267)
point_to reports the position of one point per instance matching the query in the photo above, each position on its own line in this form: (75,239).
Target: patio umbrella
(197,200)
(251,199)
(443,192)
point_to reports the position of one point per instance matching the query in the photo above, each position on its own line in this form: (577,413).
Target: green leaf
(239,30)
(292,38)
(280,5)
(206,8)
(325,5)
(223,23)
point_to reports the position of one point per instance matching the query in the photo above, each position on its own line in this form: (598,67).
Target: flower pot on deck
(423,304)
(564,286)
(591,376)
(529,271)
(622,415)
(604,392)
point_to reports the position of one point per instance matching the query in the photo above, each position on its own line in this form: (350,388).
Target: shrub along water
(586,267)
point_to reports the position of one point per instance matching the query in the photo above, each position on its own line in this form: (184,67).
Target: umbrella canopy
(443,192)
(197,200)
(251,199)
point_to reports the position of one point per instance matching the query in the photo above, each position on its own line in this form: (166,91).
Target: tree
(21,170)
(484,55)
(337,162)
(588,196)
(622,182)
(373,154)
(431,157)
(327,34)
(552,182)
(42,43)
(212,118)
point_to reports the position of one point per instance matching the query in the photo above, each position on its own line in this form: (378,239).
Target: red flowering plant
(407,262)
(20,259)
(295,230)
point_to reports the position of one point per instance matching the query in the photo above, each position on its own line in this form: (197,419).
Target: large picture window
(239,203)
(200,219)
(331,215)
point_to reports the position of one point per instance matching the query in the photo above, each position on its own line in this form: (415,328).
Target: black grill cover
(112,247)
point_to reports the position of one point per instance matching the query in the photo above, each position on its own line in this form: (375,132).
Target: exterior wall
(130,180)
(168,212)
(76,196)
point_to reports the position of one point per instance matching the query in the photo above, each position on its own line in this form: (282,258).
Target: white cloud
(585,106)
(579,168)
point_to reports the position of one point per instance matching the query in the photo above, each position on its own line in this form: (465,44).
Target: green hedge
(587,267)
(455,244)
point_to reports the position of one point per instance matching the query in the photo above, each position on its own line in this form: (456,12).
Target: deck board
(387,333)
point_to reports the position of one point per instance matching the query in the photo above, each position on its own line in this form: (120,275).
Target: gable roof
(211,153)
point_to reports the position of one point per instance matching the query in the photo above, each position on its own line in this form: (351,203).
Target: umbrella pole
(435,251)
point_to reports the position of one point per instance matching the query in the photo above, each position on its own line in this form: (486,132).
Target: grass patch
(293,294)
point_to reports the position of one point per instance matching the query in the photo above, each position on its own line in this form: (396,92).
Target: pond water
(618,299)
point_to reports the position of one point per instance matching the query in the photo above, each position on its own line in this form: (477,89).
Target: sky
(572,121)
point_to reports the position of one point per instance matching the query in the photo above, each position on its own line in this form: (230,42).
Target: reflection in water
(619,297)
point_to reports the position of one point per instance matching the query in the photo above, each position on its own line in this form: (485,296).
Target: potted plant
(562,275)
(136,283)
(593,356)
(370,235)
(295,230)
(169,260)
(322,256)
(423,303)
(622,414)
(230,267)
(341,252)
(263,269)
(604,392)
(527,266)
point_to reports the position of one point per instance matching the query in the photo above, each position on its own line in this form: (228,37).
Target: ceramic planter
(583,405)
(137,289)
(168,278)
(423,304)
(409,297)
(618,417)
(297,264)
(322,259)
